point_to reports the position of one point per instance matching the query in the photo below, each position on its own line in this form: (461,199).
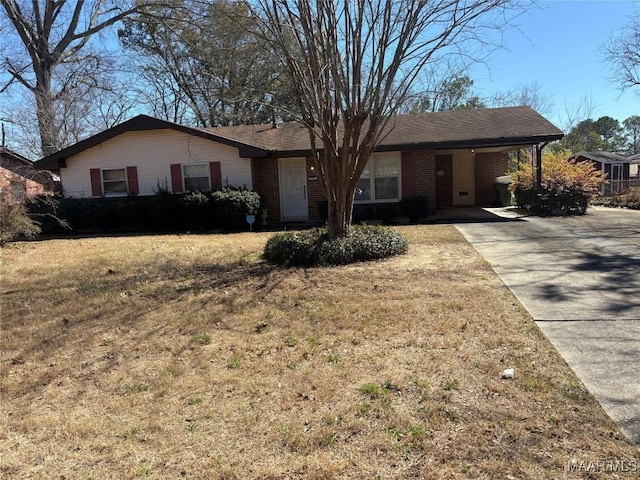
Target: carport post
(538,191)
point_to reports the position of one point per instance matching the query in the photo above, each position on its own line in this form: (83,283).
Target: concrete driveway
(579,278)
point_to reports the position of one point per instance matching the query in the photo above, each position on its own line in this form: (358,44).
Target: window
(196,177)
(380,180)
(114,182)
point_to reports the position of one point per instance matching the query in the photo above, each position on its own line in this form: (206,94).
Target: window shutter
(408,168)
(176,178)
(132,180)
(216,175)
(96,182)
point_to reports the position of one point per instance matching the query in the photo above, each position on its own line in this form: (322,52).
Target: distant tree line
(75,68)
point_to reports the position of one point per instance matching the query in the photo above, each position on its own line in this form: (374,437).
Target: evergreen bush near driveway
(314,247)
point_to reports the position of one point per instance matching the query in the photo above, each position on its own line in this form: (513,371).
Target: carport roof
(498,127)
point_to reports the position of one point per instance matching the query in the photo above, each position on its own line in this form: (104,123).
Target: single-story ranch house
(451,157)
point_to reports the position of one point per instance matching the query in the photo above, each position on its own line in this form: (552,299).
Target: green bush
(232,204)
(314,247)
(162,212)
(416,207)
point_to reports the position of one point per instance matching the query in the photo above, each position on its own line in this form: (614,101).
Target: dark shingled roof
(454,129)
(602,157)
(494,127)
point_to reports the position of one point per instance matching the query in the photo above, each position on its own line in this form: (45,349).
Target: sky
(558,46)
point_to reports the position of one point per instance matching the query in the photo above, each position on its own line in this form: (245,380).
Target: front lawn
(189,357)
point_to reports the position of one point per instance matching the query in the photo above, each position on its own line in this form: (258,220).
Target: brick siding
(426,176)
(264,173)
(315,193)
(488,167)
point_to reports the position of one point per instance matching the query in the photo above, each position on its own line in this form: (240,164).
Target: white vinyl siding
(153,152)
(380,181)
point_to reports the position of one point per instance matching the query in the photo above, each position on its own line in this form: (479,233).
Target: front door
(464,178)
(293,189)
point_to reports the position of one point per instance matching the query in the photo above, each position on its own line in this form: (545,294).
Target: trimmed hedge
(164,211)
(314,247)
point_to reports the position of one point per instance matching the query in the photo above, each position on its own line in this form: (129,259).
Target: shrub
(231,204)
(196,209)
(416,207)
(14,220)
(314,247)
(629,199)
(163,211)
(566,187)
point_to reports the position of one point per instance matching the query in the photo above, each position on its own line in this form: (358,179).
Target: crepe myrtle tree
(353,63)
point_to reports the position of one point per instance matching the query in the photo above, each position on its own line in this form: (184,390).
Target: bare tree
(352,64)
(622,52)
(207,62)
(529,94)
(56,58)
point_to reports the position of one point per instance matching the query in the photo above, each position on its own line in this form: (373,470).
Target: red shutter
(216,175)
(176,178)
(408,174)
(96,182)
(132,180)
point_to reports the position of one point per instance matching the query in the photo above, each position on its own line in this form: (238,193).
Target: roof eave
(140,123)
(447,145)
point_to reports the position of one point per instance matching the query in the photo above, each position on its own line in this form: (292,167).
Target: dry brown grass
(188,357)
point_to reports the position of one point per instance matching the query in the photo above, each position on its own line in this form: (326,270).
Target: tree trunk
(47,126)
(340,212)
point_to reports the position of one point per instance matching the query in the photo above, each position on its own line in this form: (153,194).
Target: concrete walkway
(579,278)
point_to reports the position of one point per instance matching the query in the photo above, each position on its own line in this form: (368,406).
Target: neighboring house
(634,167)
(619,170)
(451,157)
(18,176)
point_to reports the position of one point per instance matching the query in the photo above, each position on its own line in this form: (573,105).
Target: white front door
(464,178)
(293,189)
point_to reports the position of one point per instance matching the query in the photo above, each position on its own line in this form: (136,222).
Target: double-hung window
(196,177)
(114,181)
(380,180)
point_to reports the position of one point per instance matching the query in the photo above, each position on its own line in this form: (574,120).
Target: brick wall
(265,181)
(16,176)
(426,176)
(315,193)
(488,167)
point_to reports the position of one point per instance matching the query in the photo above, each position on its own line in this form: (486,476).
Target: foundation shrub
(416,207)
(314,247)
(232,204)
(567,186)
(164,211)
